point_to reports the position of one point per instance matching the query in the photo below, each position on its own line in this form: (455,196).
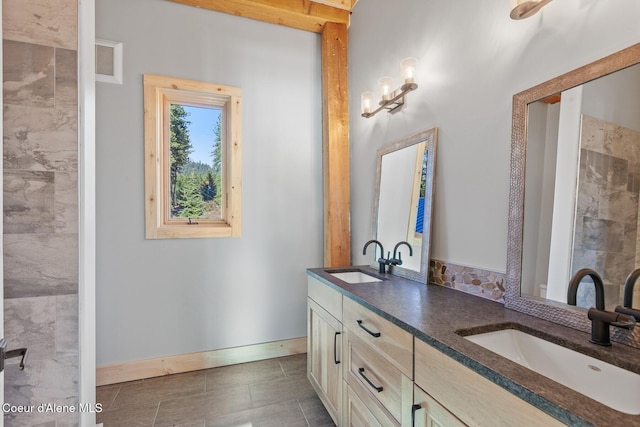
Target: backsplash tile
(471,280)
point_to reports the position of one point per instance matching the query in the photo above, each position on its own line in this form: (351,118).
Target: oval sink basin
(355,277)
(601,381)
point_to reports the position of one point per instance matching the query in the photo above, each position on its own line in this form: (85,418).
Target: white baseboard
(149,368)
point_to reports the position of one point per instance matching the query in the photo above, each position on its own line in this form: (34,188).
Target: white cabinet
(368,371)
(324,345)
(470,397)
(356,412)
(378,364)
(429,413)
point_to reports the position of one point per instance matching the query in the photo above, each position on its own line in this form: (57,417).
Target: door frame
(87,210)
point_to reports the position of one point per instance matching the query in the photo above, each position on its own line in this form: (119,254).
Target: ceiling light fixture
(521,9)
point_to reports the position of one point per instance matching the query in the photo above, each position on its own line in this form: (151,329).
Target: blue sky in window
(201,134)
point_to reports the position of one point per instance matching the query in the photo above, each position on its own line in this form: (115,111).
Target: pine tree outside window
(192,182)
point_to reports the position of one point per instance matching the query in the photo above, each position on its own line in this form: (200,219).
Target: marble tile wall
(40,158)
(607,207)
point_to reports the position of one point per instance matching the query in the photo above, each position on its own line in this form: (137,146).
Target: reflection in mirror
(575,147)
(404,196)
(581,205)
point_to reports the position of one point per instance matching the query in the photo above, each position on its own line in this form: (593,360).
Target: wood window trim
(158,90)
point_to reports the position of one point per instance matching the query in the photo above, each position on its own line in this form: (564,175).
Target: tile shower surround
(41,206)
(607,207)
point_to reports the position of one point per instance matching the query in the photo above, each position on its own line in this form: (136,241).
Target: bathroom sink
(601,381)
(355,277)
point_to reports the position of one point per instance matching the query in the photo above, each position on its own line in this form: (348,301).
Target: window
(192,158)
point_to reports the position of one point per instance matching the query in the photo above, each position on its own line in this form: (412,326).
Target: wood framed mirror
(526,223)
(403,202)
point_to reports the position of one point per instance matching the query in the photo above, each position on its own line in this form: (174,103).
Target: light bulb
(408,68)
(386,88)
(366,102)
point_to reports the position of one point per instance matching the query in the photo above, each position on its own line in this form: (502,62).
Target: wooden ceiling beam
(340,4)
(301,14)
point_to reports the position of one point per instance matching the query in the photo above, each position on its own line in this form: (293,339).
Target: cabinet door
(324,348)
(356,413)
(429,413)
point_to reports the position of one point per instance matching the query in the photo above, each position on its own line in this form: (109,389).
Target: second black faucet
(382,261)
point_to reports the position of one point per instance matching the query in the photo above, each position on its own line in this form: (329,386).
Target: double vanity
(385,350)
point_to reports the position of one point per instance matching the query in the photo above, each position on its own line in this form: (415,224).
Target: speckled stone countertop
(433,314)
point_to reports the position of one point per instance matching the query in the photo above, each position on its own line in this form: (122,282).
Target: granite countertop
(434,313)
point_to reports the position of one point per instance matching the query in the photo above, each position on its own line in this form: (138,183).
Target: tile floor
(272,392)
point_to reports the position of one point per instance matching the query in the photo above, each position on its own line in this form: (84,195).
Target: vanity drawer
(471,397)
(356,412)
(374,379)
(391,340)
(325,296)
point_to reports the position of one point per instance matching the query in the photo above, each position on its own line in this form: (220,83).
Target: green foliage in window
(180,146)
(191,200)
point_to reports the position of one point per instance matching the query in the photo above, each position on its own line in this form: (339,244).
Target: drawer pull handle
(361,371)
(415,408)
(335,348)
(373,334)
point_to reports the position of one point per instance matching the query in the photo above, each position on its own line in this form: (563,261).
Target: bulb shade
(366,102)
(408,68)
(386,88)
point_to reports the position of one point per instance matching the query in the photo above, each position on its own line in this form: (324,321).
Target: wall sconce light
(391,99)
(521,9)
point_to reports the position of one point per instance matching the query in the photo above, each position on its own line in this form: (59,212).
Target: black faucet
(572,292)
(600,318)
(381,261)
(627,299)
(600,321)
(397,260)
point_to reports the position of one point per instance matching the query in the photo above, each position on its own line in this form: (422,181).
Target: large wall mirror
(403,202)
(575,187)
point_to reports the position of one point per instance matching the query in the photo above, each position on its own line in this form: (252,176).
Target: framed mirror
(574,199)
(403,202)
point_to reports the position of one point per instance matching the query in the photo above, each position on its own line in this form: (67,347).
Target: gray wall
(165,297)
(473,58)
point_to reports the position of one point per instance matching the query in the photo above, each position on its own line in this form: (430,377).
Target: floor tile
(139,415)
(105,395)
(294,365)
(315,412)
(198,407)
(160,388)
(245,373)
(284,414)
(281,390)
(267,393)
